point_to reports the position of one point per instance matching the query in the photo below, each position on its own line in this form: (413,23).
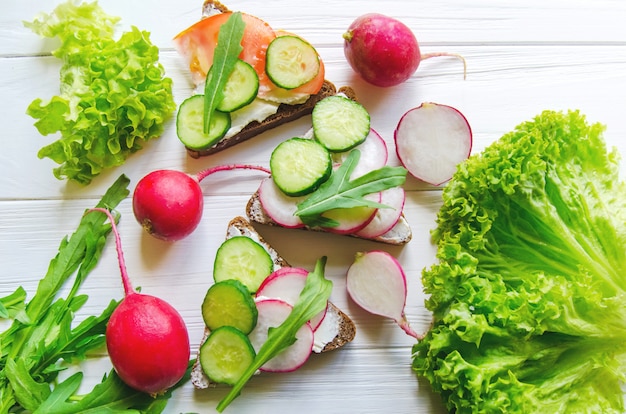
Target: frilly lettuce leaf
(114,95)
(529,292)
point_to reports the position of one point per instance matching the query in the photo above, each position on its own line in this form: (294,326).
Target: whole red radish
(147,339)
(169,204)
(383,50)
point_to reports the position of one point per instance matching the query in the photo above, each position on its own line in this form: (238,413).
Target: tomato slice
(197,44)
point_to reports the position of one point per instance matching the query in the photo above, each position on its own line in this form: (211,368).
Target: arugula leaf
(339,192)
(224,58)
(312,300)
(41,335)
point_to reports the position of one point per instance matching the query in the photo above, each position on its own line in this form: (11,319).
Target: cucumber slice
(241,88)
(190,124)
(299,166)
(339,123)
(291,62)
(226,354)
(242,259)
(229,303)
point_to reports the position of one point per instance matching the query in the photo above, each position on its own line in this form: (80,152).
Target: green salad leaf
(529,292)
(224,59)
(313,298)
(113,98)
(341,192)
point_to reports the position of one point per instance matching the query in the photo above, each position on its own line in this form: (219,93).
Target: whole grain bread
(342,324)
(286,113)
(400,234)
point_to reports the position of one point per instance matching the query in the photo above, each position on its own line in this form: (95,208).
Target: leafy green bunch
(113,97)
(529,292)
(42,338)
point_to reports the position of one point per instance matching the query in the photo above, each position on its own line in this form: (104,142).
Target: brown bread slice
(342,324)
(286,113)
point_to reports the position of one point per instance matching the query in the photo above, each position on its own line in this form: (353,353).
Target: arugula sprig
(341,192)
(312,300)
(224,58)
(41,338)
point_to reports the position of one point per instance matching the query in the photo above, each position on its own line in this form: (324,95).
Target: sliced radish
(377,283)
(352,220)
(431,140)
(273,312)
(286,284)
(278,206)
(385,218)
(374,155)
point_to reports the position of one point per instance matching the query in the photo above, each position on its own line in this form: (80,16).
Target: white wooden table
(523,57)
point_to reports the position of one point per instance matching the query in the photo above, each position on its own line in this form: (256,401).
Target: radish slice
(385,218)
(377,283)
(431,140)
(374,155)
(278,206)
(352,220)
(273,312)
(286,284)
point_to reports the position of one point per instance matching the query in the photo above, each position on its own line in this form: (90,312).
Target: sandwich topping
(296,70)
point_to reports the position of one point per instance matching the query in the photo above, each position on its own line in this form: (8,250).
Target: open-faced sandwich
(249,78)
(335,178)
(255,289)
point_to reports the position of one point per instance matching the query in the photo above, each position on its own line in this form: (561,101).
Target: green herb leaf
(224,58)
(312,300)
(339,192)
(41,334)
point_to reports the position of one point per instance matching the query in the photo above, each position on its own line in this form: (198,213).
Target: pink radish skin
(385,218)
(384,51)
(286,284)
(374,155)
(377,283)
(169,204)
(147,340)
(431,140)
(272,312)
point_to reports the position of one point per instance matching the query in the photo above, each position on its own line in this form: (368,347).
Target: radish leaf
(224,58)
(339,192)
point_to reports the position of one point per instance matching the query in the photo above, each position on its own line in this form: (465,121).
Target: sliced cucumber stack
(226,354)
(240,90)
(340,123)
(299,166)
(190,124)
(244,260)
(291,62)
(229,303)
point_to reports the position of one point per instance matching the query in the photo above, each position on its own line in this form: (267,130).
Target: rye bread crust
(345,326)
(285,114)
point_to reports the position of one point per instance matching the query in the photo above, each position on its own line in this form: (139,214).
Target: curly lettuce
(114,95)
(529,291)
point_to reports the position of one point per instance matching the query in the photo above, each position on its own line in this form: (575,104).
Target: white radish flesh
(286,284)
(374,155)
(352,220)
(431,140)
(377,283)
(272,313)
(385,218)
(278,206)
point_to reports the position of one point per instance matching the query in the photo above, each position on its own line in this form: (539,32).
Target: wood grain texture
(523,57)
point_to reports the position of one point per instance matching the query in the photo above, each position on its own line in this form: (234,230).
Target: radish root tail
(455,55)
